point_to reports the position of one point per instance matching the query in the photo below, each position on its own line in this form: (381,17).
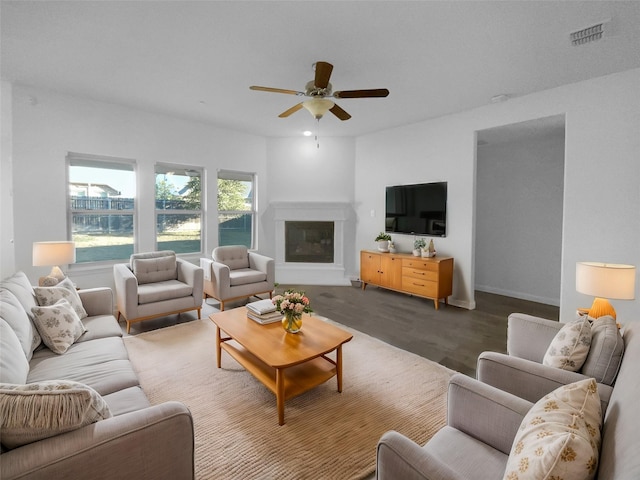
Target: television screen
(419,209)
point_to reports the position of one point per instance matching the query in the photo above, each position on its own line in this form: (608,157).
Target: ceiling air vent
(589,34)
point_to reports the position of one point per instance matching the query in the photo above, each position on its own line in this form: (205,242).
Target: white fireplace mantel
(311,273)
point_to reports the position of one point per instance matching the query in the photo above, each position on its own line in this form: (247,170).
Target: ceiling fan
(319,90)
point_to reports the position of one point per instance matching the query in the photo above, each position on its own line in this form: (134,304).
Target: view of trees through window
(236,208)
(178,209)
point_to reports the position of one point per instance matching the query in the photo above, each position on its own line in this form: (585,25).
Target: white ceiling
(196,59)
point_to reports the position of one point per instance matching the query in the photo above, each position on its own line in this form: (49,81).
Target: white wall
(519,188)
(46,126)
(602,173)
(7,261)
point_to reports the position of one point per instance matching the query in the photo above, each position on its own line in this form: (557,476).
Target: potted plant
(418,245)
(383,240)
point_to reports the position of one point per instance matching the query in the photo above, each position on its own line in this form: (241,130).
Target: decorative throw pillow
(65,289)
(59,325)
(560,436)
(570,347)
(605,353)
(34,411)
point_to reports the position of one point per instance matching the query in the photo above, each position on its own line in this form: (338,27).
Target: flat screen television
(419,209)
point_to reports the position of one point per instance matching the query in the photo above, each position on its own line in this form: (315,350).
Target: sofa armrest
(529,337)
(126,285)
(484,412)
(219,275)
(97,301)
(192,275)
(527,379)
(155,442)
(399,457)
(264,264)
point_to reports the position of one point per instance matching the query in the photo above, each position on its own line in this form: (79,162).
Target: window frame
(75,159)
(244,177)
(163,168)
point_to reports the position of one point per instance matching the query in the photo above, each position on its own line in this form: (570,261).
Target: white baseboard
(521,295)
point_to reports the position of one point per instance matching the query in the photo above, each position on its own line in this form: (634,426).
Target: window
(236,208)
(178,208)
(102,193)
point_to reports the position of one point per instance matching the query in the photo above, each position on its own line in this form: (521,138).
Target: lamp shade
(47,254)
(318,106)
(606,280)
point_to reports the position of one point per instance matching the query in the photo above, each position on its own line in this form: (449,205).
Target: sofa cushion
(605,353)
(103,364)
(244,276)
(100,326)
(233,256)
(64,290)
(14,366)
(167,290)
(560,436)
(15,315)
(154,266)
(59,325)
(570,347)
(19,285)
(29,413)
(126,400)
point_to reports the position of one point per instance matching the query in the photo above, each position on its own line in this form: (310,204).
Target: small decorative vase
(292,322)
(416,252)
(383,245)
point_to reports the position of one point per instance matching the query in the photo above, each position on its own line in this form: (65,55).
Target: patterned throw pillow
(560,436)
(65,289)
(59,325)
(34,411)
(570,347)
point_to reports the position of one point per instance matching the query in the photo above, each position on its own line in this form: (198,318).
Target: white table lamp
(605,281)
(52,254)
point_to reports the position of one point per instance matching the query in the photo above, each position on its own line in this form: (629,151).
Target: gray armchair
(521,371)
(482,422)
(234,273)
(156,284)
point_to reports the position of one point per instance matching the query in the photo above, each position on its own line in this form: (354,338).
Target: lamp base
(601,307)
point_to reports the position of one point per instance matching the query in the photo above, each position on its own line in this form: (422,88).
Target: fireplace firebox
(309,241)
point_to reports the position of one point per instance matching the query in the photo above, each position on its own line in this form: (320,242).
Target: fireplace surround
(320,257)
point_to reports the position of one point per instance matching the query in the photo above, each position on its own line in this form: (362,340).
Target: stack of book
(263,311)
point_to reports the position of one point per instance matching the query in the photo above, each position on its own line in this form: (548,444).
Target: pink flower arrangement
(292,302)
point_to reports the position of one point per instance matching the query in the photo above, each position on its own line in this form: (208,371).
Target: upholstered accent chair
(234,273)
(156,284)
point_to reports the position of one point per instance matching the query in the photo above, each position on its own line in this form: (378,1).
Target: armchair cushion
(35,411)
(243,276)
(606,351)
(570,347)
(560,436)
(158,291)
(233,256)
(154,266)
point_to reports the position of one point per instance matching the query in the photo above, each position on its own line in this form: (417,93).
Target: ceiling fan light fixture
(318,106)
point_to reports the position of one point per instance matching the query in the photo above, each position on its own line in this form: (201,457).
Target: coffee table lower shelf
(287,382)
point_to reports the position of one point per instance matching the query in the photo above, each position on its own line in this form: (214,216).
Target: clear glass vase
(292,322)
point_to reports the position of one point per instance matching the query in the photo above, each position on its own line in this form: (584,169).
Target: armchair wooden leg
(221,306)
(199,317)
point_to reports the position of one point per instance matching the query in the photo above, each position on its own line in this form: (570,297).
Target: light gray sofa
(156,284)
(233,273)
(483,420)
(138,441)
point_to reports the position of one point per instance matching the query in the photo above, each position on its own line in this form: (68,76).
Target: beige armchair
(234,273)
(156,284)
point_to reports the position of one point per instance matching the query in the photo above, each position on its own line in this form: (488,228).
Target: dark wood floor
(451,336)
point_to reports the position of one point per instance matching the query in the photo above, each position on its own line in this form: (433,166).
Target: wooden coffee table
(287,364)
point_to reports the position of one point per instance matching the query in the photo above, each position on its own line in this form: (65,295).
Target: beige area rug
(327,435)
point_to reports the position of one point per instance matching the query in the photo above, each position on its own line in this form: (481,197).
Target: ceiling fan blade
(293,109)
(275,90)
(339,112)
(376,92)
(323,73)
